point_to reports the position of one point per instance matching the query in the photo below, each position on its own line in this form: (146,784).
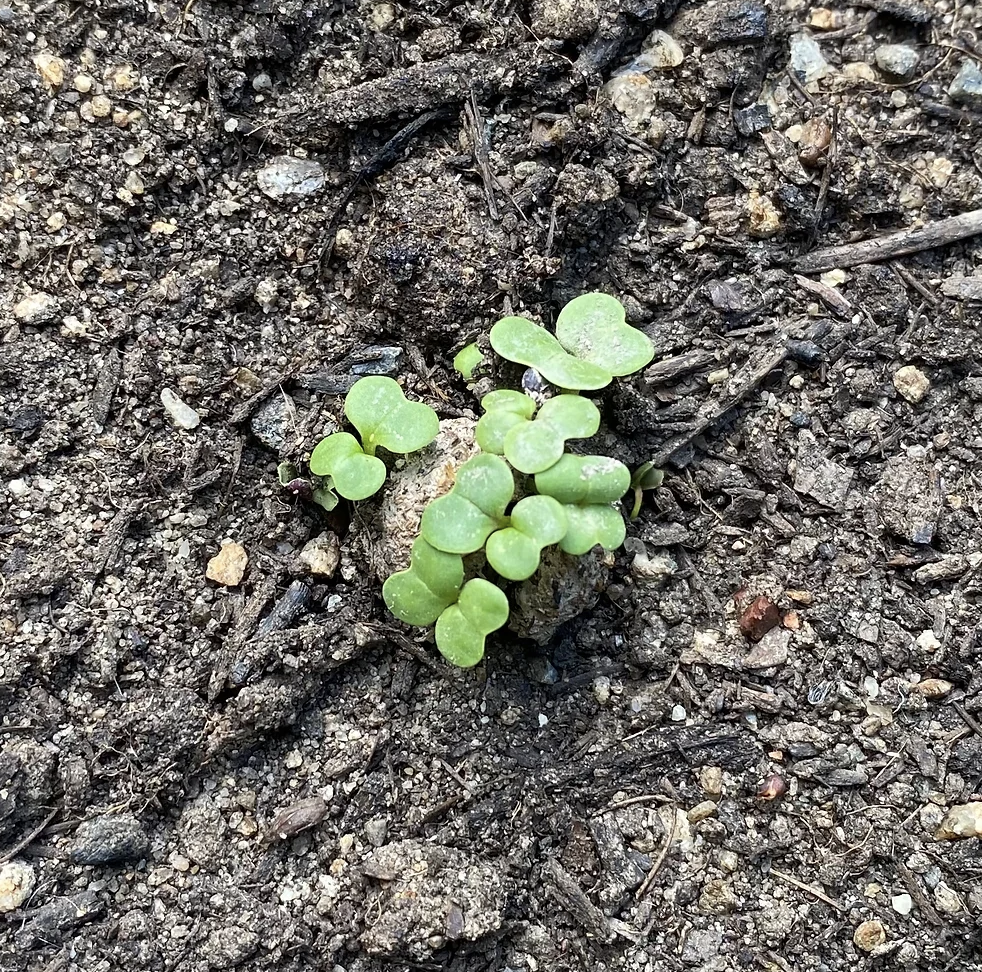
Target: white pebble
(182,415)
(902,903)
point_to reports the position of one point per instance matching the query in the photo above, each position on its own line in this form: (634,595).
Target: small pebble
(109,840)
(869,935)
(897,60)
(39,308)
(678,713)
(182,415)
(322,554)
(228,566)
(933,688)
(912,383)
(807,60)
(902,903)
(287,176)
(701,811)
(967,86)
(16,885)
(963,820)
(51,68)
(947,901)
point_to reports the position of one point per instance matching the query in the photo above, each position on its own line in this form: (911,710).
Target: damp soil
(737,754)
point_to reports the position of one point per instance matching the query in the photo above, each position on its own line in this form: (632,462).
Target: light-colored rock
(869,935)
(897,60)
(912,383)
(701,811)
(322,554)
(38,308)
(180,414)
(287,176)
(564,19)
(902,903)
(947,900)
(962,287)
(933,688)
(17,883)
(807,59)
(961,821)
(51,69)
(966,88)
(228,566)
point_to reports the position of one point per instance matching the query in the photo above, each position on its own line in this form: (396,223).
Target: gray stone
(807,60)
(819,477)
(963,287)
(718,22)
(274,424)
(112,839)
(909,494)
(287,177)
(967,85)
(897,60)
(565,19)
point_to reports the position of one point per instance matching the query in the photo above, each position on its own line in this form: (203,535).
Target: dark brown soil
(588,803)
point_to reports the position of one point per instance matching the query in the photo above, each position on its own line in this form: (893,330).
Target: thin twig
(30,838)
(969,721)
(911,240)
(821,895)
(656,867)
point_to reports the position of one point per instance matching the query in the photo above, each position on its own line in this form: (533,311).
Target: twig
(941,233)
(29,839)
(479,148)
(821,895)
(918,895)
(969,721)
(656,867)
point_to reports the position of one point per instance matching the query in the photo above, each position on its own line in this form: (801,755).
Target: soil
(740,754)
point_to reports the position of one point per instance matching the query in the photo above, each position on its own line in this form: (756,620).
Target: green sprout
(432,583)
(462,628)
(533,445)
(433,590)
(535,522)
(588,486)
(592,345)
(383,416)
(461,521)
(467,360)
(646,476)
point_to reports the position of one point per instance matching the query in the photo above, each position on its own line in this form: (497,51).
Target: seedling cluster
(566,499)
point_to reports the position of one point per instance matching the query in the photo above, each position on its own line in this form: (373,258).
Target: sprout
(463,627)
(536,522)
(646,476)
(467,360)
(432,583)
(593,344)
(587,486)
(532,445)
(462,520)
(383,416)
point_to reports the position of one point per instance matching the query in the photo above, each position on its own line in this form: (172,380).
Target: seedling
(467,360)
(587,486)
(575,503)
(533,445)
(646,476)
(316,490)
(383,416)
(535,522)
(461,521)
(432,583)
(462,628)
(592,345)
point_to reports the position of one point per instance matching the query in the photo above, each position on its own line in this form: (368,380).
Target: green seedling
(316,490)
(646,476)
(461,521)
(592,327)
(467,360)
(518,339)
(535,522)
(587,486)
(592,345)
(462,628)
(432,583)
(383,416)
(532,445)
